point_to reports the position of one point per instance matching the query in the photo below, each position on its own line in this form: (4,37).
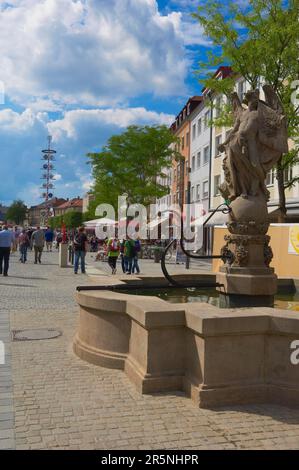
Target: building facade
(181,169)
(36,213)
(3,210)
(75,205)
(200,155)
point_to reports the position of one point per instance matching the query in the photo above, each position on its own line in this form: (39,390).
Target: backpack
(113,245)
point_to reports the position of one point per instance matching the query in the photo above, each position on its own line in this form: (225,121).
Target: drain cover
(36,334)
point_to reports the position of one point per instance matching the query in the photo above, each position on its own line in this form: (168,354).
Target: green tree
(130,164)
(17,212)
(56,222)
(260,42)
(72,219)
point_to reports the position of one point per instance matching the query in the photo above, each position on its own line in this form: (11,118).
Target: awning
(96,222)
(218,218)
(154,223)
(292,211)
(272,209)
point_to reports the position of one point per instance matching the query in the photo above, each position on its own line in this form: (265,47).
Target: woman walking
(24,243)
(113,253)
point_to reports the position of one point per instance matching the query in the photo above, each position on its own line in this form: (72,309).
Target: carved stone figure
(255,144)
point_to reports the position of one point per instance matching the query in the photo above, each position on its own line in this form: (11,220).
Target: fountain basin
(217,356)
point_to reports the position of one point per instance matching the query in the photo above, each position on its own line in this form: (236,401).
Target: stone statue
(255,144)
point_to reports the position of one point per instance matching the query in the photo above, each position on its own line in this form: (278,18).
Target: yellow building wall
(284,263)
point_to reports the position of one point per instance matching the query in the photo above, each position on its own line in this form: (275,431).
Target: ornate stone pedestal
(246,278)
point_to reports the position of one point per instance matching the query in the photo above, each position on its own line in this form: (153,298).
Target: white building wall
(200,155)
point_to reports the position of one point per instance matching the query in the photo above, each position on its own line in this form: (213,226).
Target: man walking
(6,240)
(80,248)
(49,235)
(24,242)
(129,251)
(38,243)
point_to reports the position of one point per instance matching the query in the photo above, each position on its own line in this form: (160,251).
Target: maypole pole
(48,177)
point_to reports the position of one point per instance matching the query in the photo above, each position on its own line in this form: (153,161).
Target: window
(199,127)
(198,192)
(193,163)
(216,185)
(188,139)
(198,159)
(206,155)
(287,175)
(183,143)
(192,194)
(193,131)
(187,167)
(218,141)
(205,192)
(270,178)
(207,118)
(217,107)
(241,90)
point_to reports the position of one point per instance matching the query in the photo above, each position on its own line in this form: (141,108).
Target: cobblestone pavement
(61,402)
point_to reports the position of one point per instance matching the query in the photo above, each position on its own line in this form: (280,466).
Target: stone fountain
(217,356)
(255,144)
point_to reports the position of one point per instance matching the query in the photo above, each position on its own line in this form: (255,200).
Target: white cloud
(95,52)
(23,136)
(74,123)
(11,121)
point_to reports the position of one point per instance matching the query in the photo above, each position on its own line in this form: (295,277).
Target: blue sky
(83,70)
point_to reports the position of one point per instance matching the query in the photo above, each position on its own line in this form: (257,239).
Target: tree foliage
(56,222)
(260,42)
(130,164)
(72,219)
(17,212)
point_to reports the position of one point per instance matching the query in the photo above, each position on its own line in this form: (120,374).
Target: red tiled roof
(225,70)
(72,203)
(52,202)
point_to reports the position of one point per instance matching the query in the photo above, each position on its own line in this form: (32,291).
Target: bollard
(63,250)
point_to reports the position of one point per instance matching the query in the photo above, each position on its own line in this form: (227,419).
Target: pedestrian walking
(49,236)
(113,253)
(129,251)
(137,249)
(24,243)
(38,243)
(80,247)
(122,255)
(6,241)
(58,239)
(16,233)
